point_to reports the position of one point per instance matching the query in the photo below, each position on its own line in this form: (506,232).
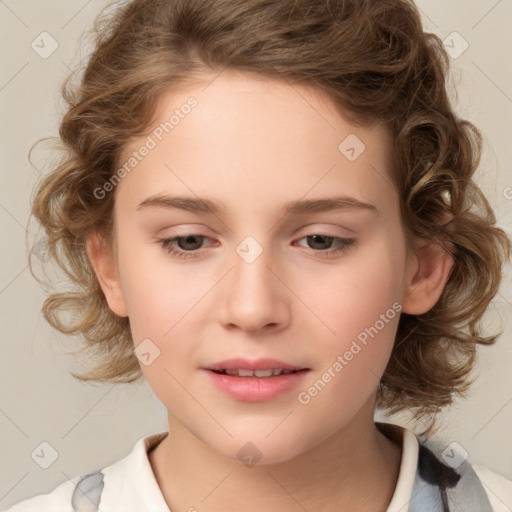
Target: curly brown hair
(375,62)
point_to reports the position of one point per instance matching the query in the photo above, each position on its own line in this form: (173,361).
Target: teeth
(257,373)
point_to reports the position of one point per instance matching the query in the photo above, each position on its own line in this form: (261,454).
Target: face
(273,272)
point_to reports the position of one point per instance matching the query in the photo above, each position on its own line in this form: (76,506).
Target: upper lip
(258,364)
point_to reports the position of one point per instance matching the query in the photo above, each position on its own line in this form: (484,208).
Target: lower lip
(256,389)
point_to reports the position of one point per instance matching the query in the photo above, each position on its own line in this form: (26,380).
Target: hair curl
(373,59)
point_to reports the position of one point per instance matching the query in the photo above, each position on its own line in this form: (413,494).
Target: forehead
(258,139)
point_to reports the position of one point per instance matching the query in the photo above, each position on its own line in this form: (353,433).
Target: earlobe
(103,262)
(433,263)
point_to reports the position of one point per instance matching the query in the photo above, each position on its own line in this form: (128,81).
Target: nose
(254,296)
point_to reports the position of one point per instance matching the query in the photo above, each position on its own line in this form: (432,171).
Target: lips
(254,373)
(259,365)
(255,381)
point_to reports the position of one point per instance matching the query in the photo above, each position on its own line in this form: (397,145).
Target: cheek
(361,310)
(352,296)
(157,294)
(359,306)
(148,272)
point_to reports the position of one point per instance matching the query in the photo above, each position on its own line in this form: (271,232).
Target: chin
(257,451)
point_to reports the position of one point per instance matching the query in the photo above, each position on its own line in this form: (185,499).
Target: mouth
(264,368)
(265,374)
(255,381)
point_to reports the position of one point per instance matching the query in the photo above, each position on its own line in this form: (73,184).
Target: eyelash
(168,245)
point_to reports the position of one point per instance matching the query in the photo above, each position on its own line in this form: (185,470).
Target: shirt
(429,481)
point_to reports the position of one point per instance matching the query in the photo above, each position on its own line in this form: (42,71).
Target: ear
(431,266)
(103,262)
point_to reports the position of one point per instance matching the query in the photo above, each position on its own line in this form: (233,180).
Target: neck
(358,466)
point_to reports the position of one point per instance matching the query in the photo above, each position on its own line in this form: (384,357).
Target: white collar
(130,484)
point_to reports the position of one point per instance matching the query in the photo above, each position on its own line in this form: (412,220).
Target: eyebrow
(205,205)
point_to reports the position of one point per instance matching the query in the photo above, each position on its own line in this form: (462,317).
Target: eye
(322,244)
(188,246)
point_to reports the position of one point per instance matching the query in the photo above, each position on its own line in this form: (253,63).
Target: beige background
(90,426)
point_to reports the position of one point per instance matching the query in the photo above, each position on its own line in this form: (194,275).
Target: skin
(255,144)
